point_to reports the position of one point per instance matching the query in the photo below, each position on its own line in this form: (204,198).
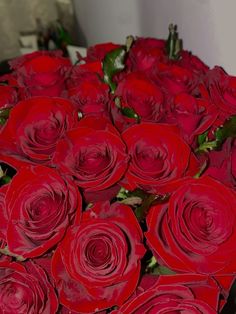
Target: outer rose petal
(175,293)
(192,115)
(98,52)
(93,154)
(40,204)
(139,93)
(8,96)
(84,285)
(25,289)
(41,73)
(160,159)
(222,163)
(190,232)
(166,298)
(145,53)
(34,127)
(220,88)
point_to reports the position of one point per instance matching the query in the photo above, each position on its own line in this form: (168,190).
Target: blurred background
(207,26)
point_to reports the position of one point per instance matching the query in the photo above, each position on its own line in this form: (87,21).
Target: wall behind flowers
(16,16)
(207,26)
(20,16)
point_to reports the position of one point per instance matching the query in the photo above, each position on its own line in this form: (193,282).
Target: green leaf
(130,113)
(5,180)
(202,138)
(6,251)
(123,194)
(6,173)
(142,210)
(200,172)
(4,115)
(129,42)
(152,263)
(2,121)
(162,270)
(112,64)
(204,147)
(89,205)
(154,268)
(227,130)
(174,44)
(148,201)
(126,111)
(4,83)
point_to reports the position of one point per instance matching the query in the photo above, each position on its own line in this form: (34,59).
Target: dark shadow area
(230,307)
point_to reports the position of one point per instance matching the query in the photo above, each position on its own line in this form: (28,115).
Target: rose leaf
(112,64)
(4,115)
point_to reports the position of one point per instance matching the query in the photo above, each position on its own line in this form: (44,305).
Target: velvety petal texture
(138,93)
(159,158)
(41,73)
(190,293)
(97,265)
(39,205)
(24,288)
(93,154)
(190,232)
(34,127)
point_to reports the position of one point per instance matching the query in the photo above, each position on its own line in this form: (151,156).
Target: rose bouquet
(118,179)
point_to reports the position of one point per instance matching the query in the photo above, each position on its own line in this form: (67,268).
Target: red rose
(145,53)
(174,79)
(88,93)
(98,52)
(34,127)
(220,89)
(190,232)
(190,293)
(24,288)
(140,94)
(93,154)
(8,96)
(9,79)
(192,115)
(3,191)
(81,71)
(222,163)
(159,158)
(39,206)
(190,61)
(97,265)
(41,73)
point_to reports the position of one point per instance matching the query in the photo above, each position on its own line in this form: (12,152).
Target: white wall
(20,15)
(207,26)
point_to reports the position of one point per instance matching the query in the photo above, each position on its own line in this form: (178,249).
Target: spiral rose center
(205,224)
(93,160)
(204,219)
(98,252)
(46,135)
(43,207)
(40,209)
(12,298)
(150,160)
(41,137)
